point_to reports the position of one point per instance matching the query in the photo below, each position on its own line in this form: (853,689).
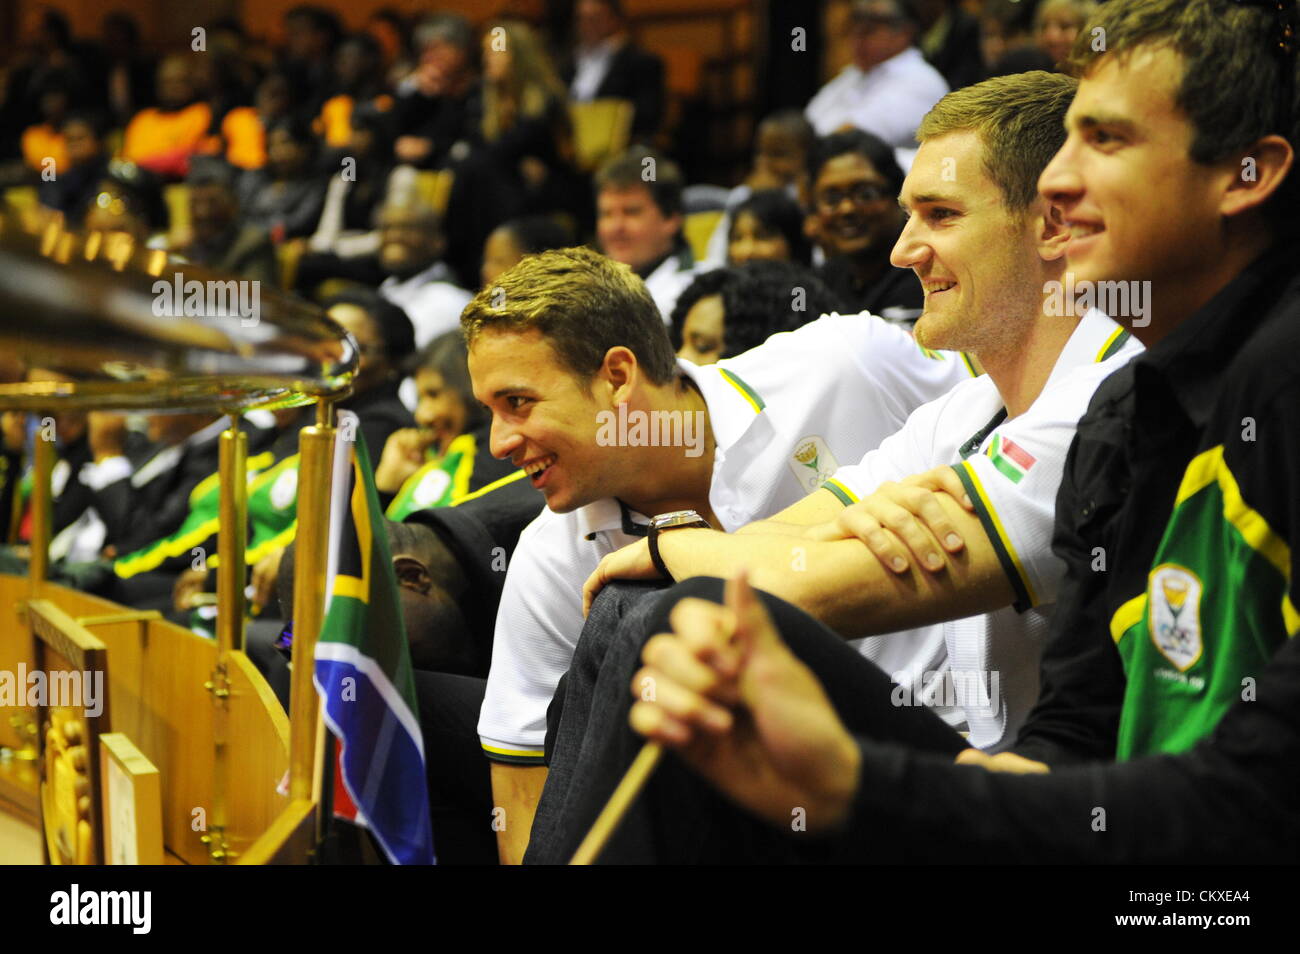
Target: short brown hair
(628,171)
(1232,88)
(584,304)
(1021,124)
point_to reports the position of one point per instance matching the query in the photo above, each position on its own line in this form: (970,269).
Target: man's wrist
(841,781)
(673,547)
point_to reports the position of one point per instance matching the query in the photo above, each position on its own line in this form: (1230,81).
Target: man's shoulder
(1268,364)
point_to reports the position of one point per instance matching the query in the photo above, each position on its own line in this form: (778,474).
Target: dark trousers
(679,818)
(460,782)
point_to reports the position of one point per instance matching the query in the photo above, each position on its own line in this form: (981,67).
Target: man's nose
(909,250)
(504,440)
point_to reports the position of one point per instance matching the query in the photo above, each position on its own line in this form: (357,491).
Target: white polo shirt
(888,100)
(1012,471)
(783,414)
(667,282)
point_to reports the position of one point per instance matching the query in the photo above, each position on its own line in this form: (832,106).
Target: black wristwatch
(673,520)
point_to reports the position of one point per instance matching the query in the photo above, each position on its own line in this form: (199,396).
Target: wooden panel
(289,838)
(16,647)
(258,731)
(156,677)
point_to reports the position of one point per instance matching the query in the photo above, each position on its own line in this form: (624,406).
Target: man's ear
(619,373)
(1255,175)
(412,574)
(1053,235)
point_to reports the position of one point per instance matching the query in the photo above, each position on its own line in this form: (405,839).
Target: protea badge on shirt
(812,462)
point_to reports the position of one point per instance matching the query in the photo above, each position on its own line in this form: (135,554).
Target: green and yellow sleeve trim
(751,396)
(1118,338)
(514,756)
(1127,616)
(998,537)
(845,495)
(1209,467)
(153,557)
(488,488)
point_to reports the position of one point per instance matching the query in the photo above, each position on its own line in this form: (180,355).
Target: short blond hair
(584,304)
(1020,120)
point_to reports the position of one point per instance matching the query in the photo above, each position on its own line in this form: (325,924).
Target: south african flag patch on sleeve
(1010,458)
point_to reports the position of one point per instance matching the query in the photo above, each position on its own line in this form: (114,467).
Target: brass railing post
(315,466)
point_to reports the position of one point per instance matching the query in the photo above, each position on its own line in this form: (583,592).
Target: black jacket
(637,75)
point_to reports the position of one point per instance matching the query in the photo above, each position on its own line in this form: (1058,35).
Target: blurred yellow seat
(698,228)
(434,187)
(177,198)
(601,129)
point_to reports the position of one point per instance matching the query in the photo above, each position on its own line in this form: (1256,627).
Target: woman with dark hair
(446,455)
(284,197)
(855,220)
(511,241)
(729,310)
(768,226)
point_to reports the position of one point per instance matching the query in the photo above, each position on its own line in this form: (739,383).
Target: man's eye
(939,214)
(516,402)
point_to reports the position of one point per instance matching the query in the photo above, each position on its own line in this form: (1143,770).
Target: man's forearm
(840,583)
(516,790)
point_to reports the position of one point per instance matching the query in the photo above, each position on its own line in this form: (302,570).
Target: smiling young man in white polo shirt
(987,249)
(568,352)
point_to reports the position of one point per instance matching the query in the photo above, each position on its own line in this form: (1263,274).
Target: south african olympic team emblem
(1175,599)
(812,462)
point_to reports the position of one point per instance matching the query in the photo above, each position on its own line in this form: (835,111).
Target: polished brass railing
(106,313)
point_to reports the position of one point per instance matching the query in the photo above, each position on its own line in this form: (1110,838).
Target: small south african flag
(1010,458)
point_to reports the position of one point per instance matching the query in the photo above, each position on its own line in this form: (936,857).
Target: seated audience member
(571,355)
(357,69)
(768,227)
(439,107)
(244,127)
(43,145)
(146,511)
(383,336)
(639,223)
(386,340)
(392,31)
(419,281)
(447,454)
(286,195)
(217,239)
(1007,39)
(512,240)
(889,86)
(783,145)
(729,310)
(521,161)
(127,206)
(606,64)
(162,138)
(855,220)
(128,73)
(85,165)
(1057,23)
(949,37)
(53,56)
(351,200)
(92,450)
(311,36)
(1000,439)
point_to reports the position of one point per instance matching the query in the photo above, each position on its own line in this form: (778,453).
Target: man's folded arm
(842,583)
